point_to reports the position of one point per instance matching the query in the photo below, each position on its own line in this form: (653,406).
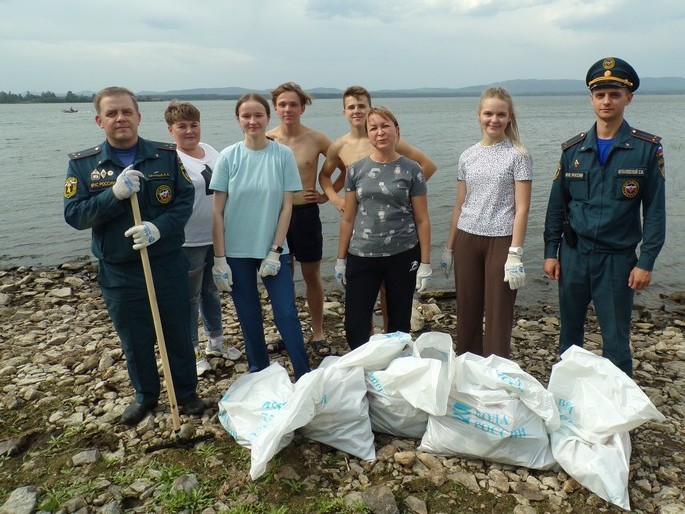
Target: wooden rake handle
(152,296)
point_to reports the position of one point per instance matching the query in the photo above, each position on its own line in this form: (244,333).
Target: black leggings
(364,277)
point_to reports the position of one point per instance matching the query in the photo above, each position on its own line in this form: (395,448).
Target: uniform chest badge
(576,164)
(163,194)
(630,188)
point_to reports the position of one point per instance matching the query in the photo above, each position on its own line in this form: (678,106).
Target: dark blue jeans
(249,309)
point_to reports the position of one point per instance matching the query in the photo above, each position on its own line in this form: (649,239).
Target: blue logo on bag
(375,382)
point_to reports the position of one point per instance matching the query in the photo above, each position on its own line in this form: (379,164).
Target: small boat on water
(69,110)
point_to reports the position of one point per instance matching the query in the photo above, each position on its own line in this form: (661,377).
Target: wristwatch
(277,249)
(516,250)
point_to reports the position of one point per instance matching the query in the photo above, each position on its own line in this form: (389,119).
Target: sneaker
(201,364)
(221,350)
(215,349)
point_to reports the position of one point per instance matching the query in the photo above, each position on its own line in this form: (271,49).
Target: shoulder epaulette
(85,153)
(645,135)
(164,146)
(573,141)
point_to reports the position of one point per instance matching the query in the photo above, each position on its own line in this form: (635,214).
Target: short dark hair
(181,111)
(357,92)
(113,91)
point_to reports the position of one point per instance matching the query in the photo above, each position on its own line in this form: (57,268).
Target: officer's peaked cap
(612,72)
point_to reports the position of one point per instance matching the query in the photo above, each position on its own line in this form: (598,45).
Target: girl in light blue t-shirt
(253,184)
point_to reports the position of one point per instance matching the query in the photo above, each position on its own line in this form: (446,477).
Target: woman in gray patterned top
(488,227)
(384,232)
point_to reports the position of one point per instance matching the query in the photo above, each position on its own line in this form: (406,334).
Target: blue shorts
(305,238)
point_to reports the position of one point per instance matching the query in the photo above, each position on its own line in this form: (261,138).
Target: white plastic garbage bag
(433,395)
(598,404)
(412,386)
(377,353)
(488,418)
(596,397)
(389,411)
(262,410)
(503,430)
(249,405)
(602,467)
(297,412)
(481,376)
(341,418)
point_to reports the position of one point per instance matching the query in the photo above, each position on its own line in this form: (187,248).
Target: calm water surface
(35,140)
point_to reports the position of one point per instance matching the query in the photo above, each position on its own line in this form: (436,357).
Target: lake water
(35,140)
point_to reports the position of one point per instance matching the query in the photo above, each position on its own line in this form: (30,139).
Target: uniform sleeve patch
(558,172)
(70,186)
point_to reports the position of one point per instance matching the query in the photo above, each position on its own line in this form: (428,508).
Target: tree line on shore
(44,97)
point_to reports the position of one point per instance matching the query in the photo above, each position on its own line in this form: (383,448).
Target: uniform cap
(612,72)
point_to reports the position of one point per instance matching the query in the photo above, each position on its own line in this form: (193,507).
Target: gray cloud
(165,45)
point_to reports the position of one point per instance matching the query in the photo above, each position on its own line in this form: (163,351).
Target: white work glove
(221,272)
(271,265)
(446,261)
(423,276)
(514,272)
(144,235)
(340,267)
(127,183)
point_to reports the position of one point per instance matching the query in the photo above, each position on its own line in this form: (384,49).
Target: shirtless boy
(355,145)
(305,238)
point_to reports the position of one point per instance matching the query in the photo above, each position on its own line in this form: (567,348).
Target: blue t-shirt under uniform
(255,182)
(384,223)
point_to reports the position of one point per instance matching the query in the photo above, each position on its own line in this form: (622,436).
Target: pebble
(62,339)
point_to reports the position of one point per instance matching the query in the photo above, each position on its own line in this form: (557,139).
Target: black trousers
(364,276)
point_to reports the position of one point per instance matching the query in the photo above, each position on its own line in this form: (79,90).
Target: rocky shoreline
(64,385)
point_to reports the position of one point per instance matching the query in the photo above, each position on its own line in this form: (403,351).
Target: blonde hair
(383,112)
(512,129)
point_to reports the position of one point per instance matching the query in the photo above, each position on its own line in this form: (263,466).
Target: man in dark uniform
(97,191)
(610,186)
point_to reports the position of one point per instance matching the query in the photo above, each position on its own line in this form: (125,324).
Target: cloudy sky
(162,45)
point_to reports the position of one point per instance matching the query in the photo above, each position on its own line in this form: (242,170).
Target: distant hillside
(662,85)
(542,87)
(211,91)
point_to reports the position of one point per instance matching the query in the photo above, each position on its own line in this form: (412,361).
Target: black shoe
(193,406)
(134,413)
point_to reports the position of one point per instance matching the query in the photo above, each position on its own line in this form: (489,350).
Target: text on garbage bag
(488,422)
